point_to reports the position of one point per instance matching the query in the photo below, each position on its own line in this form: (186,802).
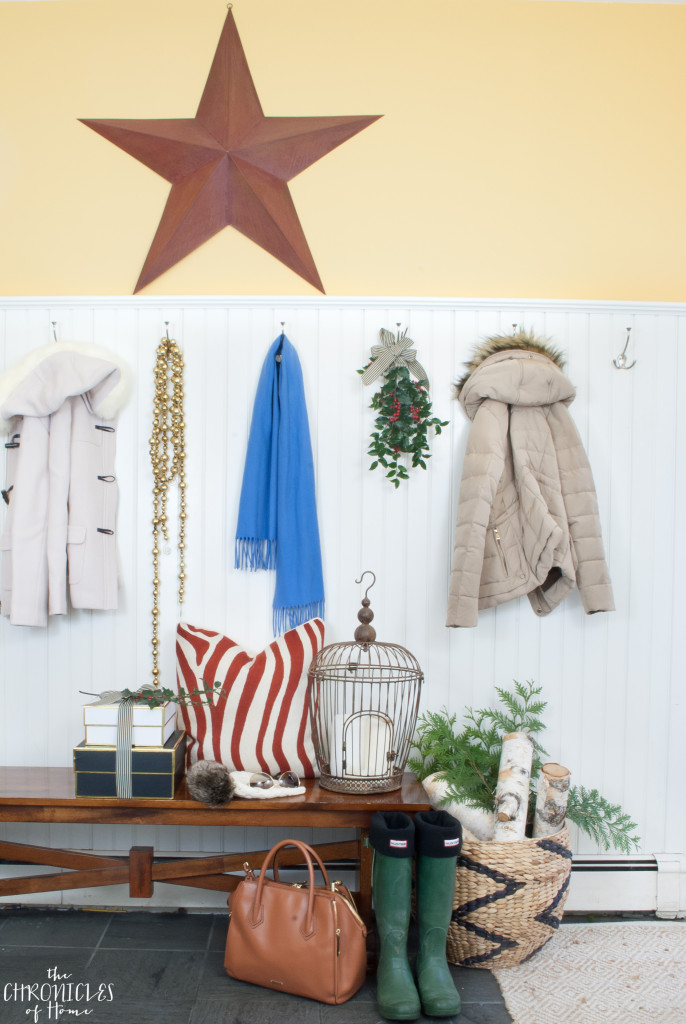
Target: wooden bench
(47,795)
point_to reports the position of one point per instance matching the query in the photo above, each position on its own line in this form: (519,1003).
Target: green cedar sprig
(161,695)
(402,424)
(469,761)
(603,821)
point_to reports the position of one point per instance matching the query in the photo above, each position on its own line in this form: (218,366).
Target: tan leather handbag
(302,938)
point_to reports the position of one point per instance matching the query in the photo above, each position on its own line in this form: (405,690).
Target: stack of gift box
(157,751)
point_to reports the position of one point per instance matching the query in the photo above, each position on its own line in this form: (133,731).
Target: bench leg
(140,871)
(365,899)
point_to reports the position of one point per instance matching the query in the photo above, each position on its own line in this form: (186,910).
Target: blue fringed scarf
(277,517)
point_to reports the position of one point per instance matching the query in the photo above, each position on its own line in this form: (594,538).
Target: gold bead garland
(168,455)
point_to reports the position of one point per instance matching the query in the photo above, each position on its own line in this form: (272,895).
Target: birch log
(477,824)
(512,790)
(551,799)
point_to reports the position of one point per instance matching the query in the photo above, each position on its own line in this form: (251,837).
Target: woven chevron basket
(508,900)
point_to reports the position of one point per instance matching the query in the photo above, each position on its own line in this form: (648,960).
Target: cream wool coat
(59,409)
(527,520)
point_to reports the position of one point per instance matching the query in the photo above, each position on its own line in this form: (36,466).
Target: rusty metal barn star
(229,165)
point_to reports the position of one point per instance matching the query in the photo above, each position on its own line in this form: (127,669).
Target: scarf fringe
(254,553)
(288,618)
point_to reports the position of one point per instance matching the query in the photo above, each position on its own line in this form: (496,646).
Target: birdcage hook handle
(365,573)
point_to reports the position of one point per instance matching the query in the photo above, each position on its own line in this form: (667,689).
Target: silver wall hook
(54,329)
(621,362)
(282,337)
(400,335)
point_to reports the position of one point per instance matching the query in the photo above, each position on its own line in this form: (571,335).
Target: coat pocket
(76,552)
(503,570)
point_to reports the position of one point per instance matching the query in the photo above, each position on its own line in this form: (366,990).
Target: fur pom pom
(210,783)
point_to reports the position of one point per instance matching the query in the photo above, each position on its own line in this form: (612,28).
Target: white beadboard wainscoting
(615,683)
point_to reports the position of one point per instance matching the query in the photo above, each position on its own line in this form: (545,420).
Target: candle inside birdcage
(361,733)
(364,698)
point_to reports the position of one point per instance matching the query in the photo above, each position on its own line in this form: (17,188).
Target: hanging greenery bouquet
(468,761)
(403,408)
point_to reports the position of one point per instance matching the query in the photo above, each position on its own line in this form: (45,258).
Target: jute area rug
(633,973)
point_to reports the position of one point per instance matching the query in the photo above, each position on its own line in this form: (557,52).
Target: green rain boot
(391,834)
(438,840)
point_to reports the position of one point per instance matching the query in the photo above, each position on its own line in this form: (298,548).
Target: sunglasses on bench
(260,780)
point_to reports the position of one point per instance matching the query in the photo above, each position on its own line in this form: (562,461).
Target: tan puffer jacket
(527,521)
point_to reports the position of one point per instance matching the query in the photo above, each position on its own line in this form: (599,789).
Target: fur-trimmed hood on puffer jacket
(527,520)
(523,341)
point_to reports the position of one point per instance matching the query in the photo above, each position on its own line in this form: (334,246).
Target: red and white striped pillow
(263,723)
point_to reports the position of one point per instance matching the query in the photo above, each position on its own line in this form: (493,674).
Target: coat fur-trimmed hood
(522,340)
(40,382)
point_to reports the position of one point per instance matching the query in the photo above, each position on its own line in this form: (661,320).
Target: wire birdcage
(363,702)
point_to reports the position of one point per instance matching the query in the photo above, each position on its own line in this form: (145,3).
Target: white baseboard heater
(606,885)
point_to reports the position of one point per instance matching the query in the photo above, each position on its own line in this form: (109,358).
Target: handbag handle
(293,842)
(307,853)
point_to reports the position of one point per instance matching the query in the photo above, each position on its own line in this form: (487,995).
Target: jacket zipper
(499,545)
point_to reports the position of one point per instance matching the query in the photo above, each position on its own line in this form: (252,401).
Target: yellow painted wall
(526,149)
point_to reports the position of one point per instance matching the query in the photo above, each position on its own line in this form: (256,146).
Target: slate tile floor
(166,968)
